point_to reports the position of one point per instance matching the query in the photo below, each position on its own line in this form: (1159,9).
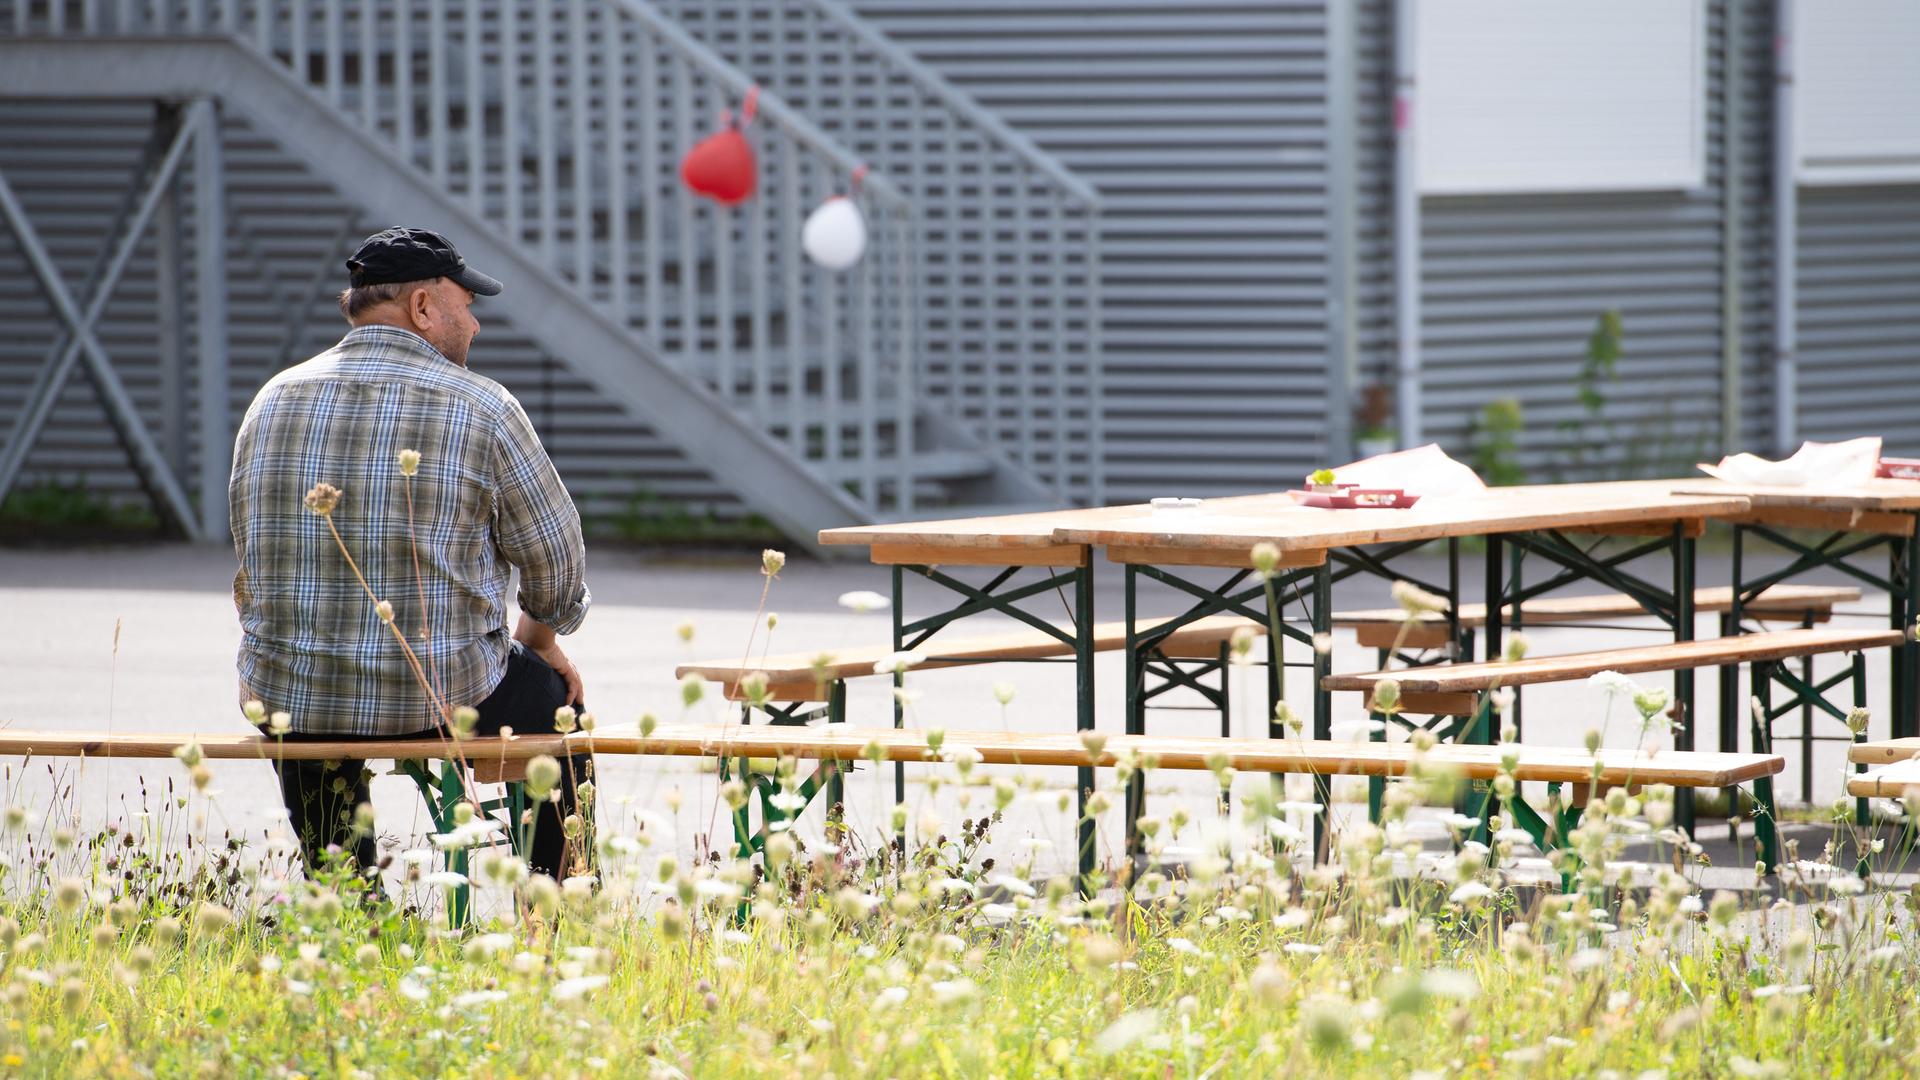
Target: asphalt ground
(170,609)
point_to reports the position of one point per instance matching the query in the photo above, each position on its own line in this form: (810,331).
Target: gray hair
(356,301)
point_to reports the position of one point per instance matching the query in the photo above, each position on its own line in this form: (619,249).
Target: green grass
(131,954)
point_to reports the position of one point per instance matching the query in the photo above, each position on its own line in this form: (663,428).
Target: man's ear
(420,308)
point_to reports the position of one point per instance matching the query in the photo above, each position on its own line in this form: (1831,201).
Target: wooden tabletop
(1877,494)
(1218,526)
(1031,530)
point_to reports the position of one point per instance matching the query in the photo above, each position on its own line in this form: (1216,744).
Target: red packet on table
(1355,497)
(1895,468)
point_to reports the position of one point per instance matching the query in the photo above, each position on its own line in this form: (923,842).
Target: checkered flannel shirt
(486,499)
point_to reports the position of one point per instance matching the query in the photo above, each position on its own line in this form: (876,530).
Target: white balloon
(835,235)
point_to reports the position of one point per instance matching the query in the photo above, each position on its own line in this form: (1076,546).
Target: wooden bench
(800,677)
(1381,628)
(1464,691)
(837,744)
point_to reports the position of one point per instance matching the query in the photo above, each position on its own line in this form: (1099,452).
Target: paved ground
(172,671)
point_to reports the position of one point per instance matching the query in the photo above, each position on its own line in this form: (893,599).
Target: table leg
(1684,553)
(1730,704)
(1906,675)
(1322,621)
(899,707)
(1083,694)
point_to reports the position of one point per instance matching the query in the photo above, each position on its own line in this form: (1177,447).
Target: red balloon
(720,167)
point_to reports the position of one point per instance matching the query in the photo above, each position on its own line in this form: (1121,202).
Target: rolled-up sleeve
(537,526)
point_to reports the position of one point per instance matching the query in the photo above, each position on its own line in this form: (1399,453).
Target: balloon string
(751,105)
(859,174)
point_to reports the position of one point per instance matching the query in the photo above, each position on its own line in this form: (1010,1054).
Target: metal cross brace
(993,597)
(83,345)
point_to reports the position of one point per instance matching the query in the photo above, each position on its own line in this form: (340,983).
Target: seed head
(409,462)
(385,610)
(465,717)
(691,689)
(1416,601)
(1003,692)
(322,498)
(772,561)
(543,772)
(189,753)
(647,723)
(1517,647)
(279,723)
(1386,695)
(1857,720)
(1265,557)
(565,719)
(255,712)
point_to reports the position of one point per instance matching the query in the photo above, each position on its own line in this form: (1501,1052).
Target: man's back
(484,496)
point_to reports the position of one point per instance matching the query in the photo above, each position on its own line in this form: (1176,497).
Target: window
(1856,91)
(1559,95)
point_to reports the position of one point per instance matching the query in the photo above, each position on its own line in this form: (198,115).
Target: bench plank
(1890,782)
(1884,752)
(844,743)
(1380,628)
(795,673)
(1711,652)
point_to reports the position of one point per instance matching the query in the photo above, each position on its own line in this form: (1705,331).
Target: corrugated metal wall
(1860,314)
(70,161)
(1512,286)
(1204,126)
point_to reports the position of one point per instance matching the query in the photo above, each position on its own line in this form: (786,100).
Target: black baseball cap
(408,254)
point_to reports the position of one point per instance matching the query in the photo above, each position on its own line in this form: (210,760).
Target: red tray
(1899,468)
(1353,497)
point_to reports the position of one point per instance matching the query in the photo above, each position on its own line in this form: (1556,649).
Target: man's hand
(545,644)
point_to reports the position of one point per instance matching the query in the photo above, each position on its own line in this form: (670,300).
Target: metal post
(1342,355)
(1731,91)
(1406,231)
(1906,684)
(1786,227)
(169,299)
(210,274)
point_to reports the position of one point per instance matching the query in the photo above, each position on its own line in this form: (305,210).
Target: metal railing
(1008,237)
(562,124)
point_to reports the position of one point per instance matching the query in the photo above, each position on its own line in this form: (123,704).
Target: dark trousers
(321,795)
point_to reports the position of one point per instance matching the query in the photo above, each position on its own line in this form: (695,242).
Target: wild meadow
(163,945)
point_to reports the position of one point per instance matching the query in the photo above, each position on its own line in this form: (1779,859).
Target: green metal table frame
(1311,588)
(1841,551)
(443,788)
(1002,594)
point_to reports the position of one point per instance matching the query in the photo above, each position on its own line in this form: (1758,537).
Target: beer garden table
(1319,547)
(1854,524)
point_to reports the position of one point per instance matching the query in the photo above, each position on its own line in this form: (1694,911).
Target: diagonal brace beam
(82,343)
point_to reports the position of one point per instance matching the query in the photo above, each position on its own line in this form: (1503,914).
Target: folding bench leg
(1765,816)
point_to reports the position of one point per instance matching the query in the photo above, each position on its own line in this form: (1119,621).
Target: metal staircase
(546,136)
(1009,236)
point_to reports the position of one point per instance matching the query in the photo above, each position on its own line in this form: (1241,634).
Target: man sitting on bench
(437,485)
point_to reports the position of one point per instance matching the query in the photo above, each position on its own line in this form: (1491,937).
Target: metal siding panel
(70,162)
(1203,125)
(1860,314)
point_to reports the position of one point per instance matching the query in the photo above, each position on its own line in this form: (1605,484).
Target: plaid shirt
(486,498)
